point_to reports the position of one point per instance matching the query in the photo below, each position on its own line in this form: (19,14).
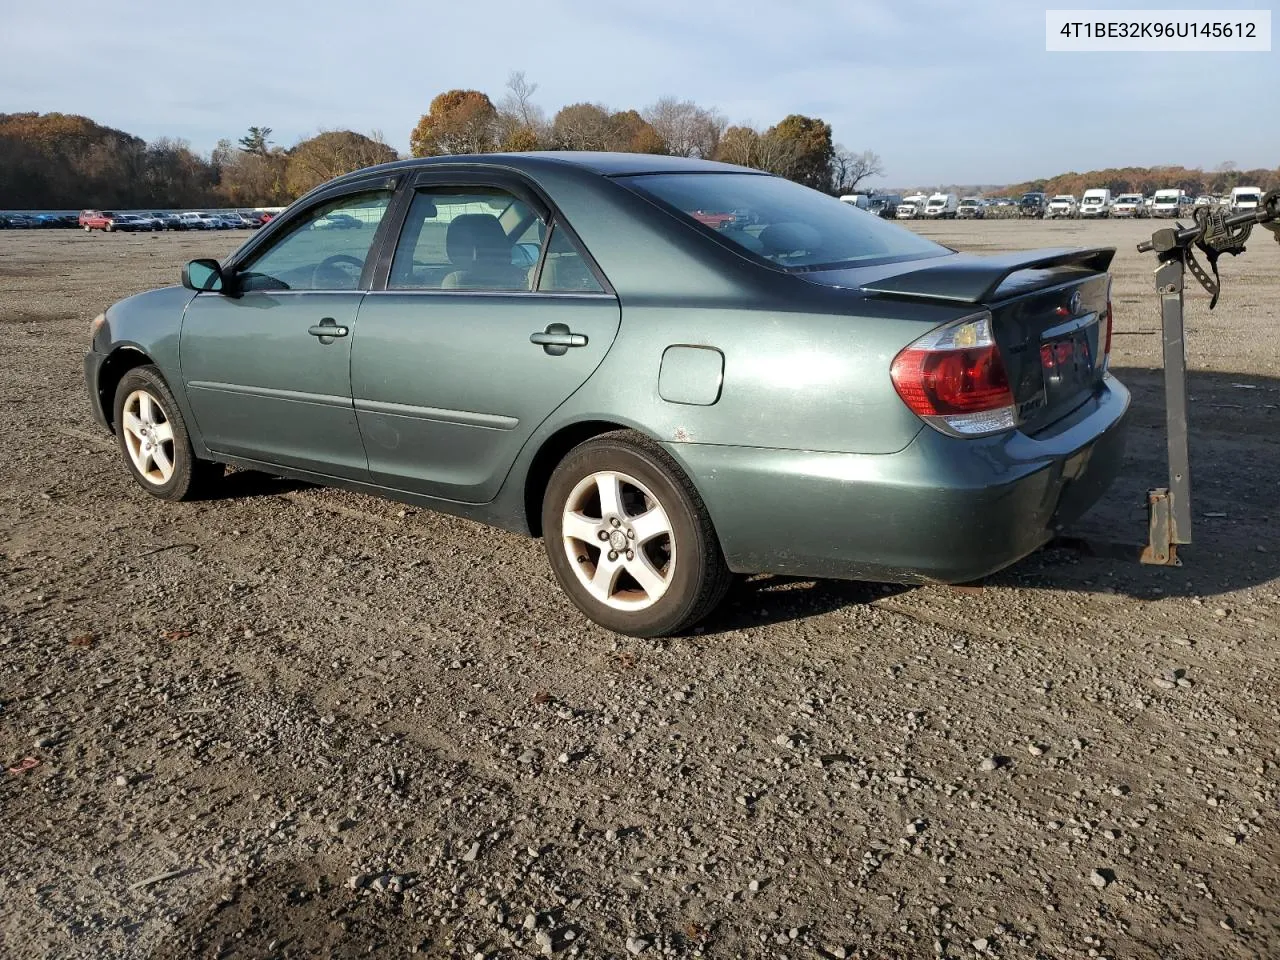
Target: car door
(466,348)
(267,362)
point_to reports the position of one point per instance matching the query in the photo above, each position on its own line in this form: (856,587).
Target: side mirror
(203,276)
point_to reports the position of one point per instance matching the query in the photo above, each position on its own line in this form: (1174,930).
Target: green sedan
(671,370)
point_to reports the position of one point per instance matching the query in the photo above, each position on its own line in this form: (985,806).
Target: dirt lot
(300,722)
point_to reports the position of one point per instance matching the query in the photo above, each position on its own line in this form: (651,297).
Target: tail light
(954,379)
(1111,323)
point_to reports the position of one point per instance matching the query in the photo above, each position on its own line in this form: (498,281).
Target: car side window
(565,270)
(467,238)
(325,249)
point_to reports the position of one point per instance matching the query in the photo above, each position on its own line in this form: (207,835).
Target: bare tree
(518,101)
(521,123)
(687,129)
(849,169)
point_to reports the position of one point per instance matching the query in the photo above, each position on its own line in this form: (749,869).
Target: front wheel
(629,538)
(154,441)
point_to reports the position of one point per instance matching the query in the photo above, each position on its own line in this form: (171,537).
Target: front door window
(325,249)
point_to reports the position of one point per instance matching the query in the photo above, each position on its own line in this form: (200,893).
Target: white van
(1245,198)
(911,207)
(859,200)
(942,205)
(1171,203)
(1096,203)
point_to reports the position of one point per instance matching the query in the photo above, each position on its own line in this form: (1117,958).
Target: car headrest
(476,238)
(787,237)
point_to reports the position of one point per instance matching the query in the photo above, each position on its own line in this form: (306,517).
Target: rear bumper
(941,510)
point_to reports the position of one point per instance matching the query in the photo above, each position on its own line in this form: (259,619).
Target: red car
(716,221)
(97,220)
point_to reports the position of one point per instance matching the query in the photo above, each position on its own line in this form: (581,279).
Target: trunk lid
(1052,339)
(1048,314)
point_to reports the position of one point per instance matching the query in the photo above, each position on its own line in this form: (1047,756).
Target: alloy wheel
(619,540)
(148,437)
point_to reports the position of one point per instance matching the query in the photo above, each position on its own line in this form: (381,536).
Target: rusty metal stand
(1169,508)
(1215,233)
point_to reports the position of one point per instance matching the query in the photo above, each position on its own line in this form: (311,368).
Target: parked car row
(1098,203)
(111,222)
(1094,204)
(37,221)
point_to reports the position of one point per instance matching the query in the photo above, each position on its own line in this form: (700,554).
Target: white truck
(1096,203)
(1062,207)
(911,207)
(942,206)
(1171,203)
(1245,198)
(1129,205)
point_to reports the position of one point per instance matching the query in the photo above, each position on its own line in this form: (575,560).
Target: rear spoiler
(965,278)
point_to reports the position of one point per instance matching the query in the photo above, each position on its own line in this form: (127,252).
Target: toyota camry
(670,370)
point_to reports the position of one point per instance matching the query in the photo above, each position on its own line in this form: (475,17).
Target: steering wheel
(329,273)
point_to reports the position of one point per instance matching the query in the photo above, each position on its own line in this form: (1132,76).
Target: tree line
(61,161)
(1147,180)
(57,161)
(797,147)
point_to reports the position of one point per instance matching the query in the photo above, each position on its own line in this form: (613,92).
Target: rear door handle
(557,339)
(327,329)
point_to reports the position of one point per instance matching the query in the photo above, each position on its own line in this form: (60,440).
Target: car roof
(602,163)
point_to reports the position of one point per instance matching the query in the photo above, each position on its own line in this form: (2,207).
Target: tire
(681,573)
(161,437)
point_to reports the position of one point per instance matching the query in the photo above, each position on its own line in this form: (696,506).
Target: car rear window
(784,223)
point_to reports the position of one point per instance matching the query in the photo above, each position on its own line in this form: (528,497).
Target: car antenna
(1215,232)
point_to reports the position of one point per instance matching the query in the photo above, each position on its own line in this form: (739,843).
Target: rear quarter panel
(793,379)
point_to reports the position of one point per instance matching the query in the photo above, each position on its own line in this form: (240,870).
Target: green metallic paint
(808,461)
(692,375)
(286,399)
(470,386)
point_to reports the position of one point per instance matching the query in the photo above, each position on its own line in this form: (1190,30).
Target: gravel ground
(298,722)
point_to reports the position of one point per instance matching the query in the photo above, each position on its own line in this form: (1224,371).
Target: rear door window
(467,238)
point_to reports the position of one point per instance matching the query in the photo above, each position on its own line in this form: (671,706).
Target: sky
(944,92)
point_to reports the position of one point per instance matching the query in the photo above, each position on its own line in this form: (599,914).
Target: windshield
(782,222)
(1247,197)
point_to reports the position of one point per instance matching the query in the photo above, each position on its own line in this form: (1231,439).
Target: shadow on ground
(296,910)
(1235,459)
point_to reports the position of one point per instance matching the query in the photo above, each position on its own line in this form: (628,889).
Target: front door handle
(557,339)
(327,329)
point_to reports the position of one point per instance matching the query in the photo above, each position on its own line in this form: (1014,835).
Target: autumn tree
(581,126)
(459,121)
(250,179)
(800,149)
(331,154)
(632,133)
(686,129)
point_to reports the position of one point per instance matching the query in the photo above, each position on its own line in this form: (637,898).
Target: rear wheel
(154,441)
(630,540)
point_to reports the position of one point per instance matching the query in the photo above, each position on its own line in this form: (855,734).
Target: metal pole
(1169,508)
